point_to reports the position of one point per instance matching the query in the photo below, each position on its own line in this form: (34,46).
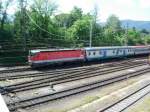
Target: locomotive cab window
(33,53)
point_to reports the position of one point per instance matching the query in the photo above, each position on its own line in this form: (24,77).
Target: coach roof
(107,47)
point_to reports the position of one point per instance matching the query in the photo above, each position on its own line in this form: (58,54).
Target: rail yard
(74,56)
(77,88)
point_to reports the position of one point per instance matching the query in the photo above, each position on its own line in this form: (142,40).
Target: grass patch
(90,99)
(86,100)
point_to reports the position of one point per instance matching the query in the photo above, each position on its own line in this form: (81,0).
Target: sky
(124,9)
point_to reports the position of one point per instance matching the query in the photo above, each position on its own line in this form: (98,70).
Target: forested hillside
(137,24)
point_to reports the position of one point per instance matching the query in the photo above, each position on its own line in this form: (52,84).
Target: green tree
(75,15)
(147,40)
(62,20)
(5,24)
(39,25)
(40,17)
(114,23)
(144,31)
(113,31)
(4,12)
(79,31)
(134,37)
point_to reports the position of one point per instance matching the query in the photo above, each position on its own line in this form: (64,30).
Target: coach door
(124,52)
(105,53)
(117,52)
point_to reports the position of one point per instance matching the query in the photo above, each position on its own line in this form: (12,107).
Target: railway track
(52,72)
(62,78)
(72,91)
(17,69)
(4,75)
(55,72)
(127,101)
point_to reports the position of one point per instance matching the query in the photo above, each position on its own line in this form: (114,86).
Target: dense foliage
(43,26)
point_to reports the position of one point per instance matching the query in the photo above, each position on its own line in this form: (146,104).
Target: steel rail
(62,79)
(45,73)
(28,68)
(82,88)
(125,98)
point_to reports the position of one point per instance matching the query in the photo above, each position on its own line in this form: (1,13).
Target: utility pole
(145,40)
(91,31)
(126,38)
(23,26)
(92,23)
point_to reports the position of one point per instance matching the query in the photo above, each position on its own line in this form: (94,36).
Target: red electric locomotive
(38,58)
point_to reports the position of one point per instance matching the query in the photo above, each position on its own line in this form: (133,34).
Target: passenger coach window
(94,53)
(100,52)
(89,53)
(113,51)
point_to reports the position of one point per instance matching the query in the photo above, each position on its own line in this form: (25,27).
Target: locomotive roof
(43,50)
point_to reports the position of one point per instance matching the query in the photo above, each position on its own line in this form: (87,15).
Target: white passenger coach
(112,52)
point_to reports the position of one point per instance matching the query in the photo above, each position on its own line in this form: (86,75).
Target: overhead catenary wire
(33,21)
(46,30)
(60,35)
(42,28)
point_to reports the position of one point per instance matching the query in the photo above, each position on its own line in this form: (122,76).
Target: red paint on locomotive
(55,55)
